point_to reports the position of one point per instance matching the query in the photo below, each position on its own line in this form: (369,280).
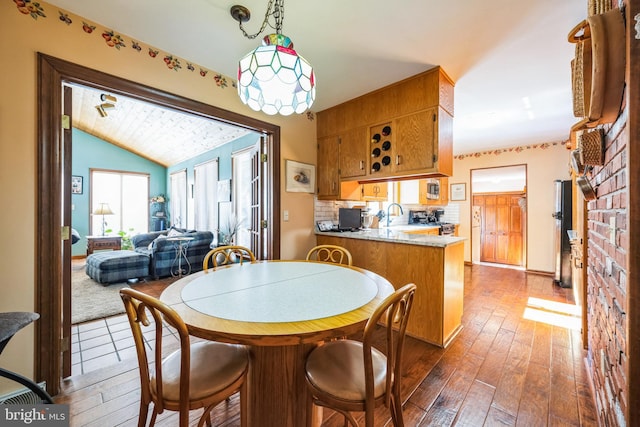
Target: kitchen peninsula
(402,255)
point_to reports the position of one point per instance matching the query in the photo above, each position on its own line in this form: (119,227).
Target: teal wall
(89,152)
(223,153)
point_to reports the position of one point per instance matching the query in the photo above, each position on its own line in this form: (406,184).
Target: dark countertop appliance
(349,219)
(431,218)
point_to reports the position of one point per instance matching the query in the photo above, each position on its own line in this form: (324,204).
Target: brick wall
(607,298)
(607,270)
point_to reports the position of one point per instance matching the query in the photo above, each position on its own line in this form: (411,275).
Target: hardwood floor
(518,361)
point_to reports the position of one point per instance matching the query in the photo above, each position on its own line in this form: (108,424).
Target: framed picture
(458,192)
(76,184)
(300,177)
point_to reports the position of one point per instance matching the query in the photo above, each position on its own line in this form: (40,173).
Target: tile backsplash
(327,210)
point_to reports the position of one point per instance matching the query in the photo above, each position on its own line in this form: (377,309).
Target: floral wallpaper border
(112,39)
(519,149)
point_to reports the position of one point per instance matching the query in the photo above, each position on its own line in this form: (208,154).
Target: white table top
(226,291)
(279,291)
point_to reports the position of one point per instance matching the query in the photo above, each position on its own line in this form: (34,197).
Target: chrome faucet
(389,208)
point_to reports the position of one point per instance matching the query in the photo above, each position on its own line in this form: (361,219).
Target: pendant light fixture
(273,78)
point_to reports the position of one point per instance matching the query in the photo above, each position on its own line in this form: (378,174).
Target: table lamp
(103,209)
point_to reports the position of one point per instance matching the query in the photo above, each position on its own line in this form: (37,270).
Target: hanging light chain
(278,15)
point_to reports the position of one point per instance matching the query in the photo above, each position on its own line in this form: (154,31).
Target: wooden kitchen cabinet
(353,153)
(327,172)
(414,145)
(418,112)
(378,191)
(341,160)
(416,142)
(438,272)
(429,195)
(434,231)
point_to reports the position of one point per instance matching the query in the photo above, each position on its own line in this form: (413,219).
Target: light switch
(73,207)
(612,230)
(285,215)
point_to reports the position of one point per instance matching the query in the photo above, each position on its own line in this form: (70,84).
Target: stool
(117,266)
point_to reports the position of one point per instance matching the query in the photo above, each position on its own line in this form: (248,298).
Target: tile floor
(102,342)
(105,342)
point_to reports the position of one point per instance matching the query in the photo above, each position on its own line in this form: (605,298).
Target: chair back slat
(393,314)
(224,255)
(138,306)
(330,253)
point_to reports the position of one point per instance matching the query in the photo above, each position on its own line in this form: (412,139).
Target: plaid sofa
(162,253)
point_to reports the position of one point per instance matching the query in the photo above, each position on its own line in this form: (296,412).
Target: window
(178,200)
(205,196)
(127,196)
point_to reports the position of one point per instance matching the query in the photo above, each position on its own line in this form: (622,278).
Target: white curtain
(178,199)
(206,196)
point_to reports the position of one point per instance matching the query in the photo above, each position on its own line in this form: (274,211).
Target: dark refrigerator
(562,215)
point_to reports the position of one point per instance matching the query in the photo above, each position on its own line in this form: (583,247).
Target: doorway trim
(525,242)
(54,171)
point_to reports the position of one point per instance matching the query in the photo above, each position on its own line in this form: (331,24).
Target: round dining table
(281,310)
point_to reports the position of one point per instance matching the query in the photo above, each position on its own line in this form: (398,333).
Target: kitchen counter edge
(396,236)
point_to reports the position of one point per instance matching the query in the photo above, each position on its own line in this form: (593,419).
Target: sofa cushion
(142,240)
(154,241)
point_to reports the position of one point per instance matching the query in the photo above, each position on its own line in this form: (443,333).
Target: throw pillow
(160,237)
(173,233)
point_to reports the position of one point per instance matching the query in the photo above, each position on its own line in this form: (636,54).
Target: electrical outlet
(612,230)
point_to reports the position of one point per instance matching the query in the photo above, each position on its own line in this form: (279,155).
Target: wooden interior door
(488,228)
(516,232)
(256,195)
(65,342)
(501,228)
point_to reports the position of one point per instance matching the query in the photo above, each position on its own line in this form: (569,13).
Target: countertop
(396,234)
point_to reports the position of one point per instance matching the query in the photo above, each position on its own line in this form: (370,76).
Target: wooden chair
(349,375)
(330,253)
(224,255)
(198,375)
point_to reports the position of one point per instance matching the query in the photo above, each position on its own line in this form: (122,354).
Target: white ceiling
(510,59)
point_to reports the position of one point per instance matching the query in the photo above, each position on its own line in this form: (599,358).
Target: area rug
(91,300)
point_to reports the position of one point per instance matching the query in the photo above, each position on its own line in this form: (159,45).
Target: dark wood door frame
(53,176)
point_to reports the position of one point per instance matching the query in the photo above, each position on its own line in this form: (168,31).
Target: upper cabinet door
(328,179)
(353,153)
(416,142)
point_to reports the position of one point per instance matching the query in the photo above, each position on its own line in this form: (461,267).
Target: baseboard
(78,256)
(541,273)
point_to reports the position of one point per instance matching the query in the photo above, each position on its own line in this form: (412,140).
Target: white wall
(545,163)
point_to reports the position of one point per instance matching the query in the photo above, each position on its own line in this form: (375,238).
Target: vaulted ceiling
(510,59)
(165,136)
